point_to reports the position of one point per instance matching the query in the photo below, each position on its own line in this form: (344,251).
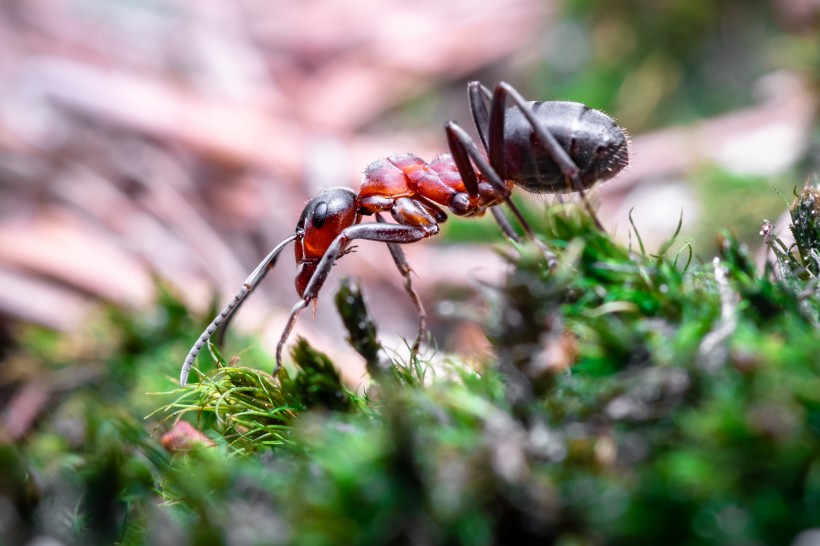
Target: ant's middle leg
(404,268)
(385,233)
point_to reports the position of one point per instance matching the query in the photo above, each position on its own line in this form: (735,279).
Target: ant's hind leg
(504,223)
(463,150)
(477,94)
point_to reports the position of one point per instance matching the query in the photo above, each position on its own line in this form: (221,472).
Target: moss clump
(805,215)
(635,399)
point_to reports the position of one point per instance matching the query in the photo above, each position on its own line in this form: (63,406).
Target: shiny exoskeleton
(541,147)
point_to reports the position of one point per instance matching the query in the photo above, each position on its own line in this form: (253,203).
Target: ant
(542,147)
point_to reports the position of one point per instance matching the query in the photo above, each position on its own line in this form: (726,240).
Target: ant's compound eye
(319,214)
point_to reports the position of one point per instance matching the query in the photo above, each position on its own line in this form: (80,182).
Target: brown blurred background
(179,140)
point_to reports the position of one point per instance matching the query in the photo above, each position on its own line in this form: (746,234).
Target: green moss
(635,399)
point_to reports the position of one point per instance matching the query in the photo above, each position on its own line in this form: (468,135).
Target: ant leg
(504,223)
(549,255)
(545,139)
(384,233)
(404,268)
(294,314)
(496,150)
(463,149)
(477,94)
(228,311)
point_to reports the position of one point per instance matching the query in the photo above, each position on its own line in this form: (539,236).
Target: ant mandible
(542,147)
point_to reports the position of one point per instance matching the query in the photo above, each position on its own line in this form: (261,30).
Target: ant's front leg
(385,233)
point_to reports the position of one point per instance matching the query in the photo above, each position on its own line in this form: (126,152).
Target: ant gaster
(542,147)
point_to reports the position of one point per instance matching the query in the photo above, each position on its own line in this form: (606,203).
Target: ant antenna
(224,316)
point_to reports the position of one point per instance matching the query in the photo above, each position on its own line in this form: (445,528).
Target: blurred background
(179,140)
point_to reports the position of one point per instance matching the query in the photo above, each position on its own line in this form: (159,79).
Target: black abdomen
(593,141)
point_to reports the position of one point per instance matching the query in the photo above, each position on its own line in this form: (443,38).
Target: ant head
(322,220)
